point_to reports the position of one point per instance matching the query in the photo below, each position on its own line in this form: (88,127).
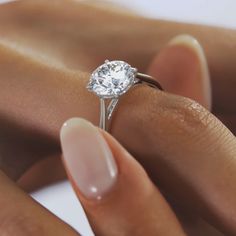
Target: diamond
(112,79)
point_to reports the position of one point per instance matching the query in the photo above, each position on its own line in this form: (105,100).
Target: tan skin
(52,89)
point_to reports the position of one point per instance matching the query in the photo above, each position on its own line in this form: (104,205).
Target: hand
(42,48)
(52,94)
(119,198)
(181,150)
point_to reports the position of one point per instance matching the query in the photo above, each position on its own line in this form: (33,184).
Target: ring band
(113,79)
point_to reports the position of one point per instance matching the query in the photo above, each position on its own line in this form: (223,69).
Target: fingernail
(88,158)
(192,43)
(181,67)
(195,46)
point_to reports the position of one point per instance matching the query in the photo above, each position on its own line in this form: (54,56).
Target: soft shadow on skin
(21,147)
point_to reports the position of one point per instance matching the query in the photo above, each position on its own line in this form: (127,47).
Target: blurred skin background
(48,50)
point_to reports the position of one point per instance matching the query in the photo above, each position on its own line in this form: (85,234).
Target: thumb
(115,191)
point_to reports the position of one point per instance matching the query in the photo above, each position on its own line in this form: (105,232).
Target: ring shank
(149,80)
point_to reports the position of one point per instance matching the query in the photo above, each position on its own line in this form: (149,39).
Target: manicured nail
(194,45)
(88,158)
(181,67)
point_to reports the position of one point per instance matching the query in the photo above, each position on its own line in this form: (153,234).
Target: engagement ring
(113,79)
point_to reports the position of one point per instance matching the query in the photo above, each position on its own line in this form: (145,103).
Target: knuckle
(200,119)
(188,116)
(176,115)
(194,124)
(193,114)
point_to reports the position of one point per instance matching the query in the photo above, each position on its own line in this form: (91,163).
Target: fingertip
(88,159)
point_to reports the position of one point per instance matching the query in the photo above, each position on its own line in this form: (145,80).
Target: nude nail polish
(88,158)
(195,46)
(181,68)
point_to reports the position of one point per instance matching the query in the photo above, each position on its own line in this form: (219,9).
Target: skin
(52,89)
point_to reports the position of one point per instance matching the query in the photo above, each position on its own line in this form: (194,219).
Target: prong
(106,61)
(135,70)
(136,81)
(89,87)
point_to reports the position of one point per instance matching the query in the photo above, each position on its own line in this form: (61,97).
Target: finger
(181,68)
(117,195)
(35,99)
(20,215)
(40,174)
(188,151)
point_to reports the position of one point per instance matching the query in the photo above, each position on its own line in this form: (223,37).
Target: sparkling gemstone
(112,79)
